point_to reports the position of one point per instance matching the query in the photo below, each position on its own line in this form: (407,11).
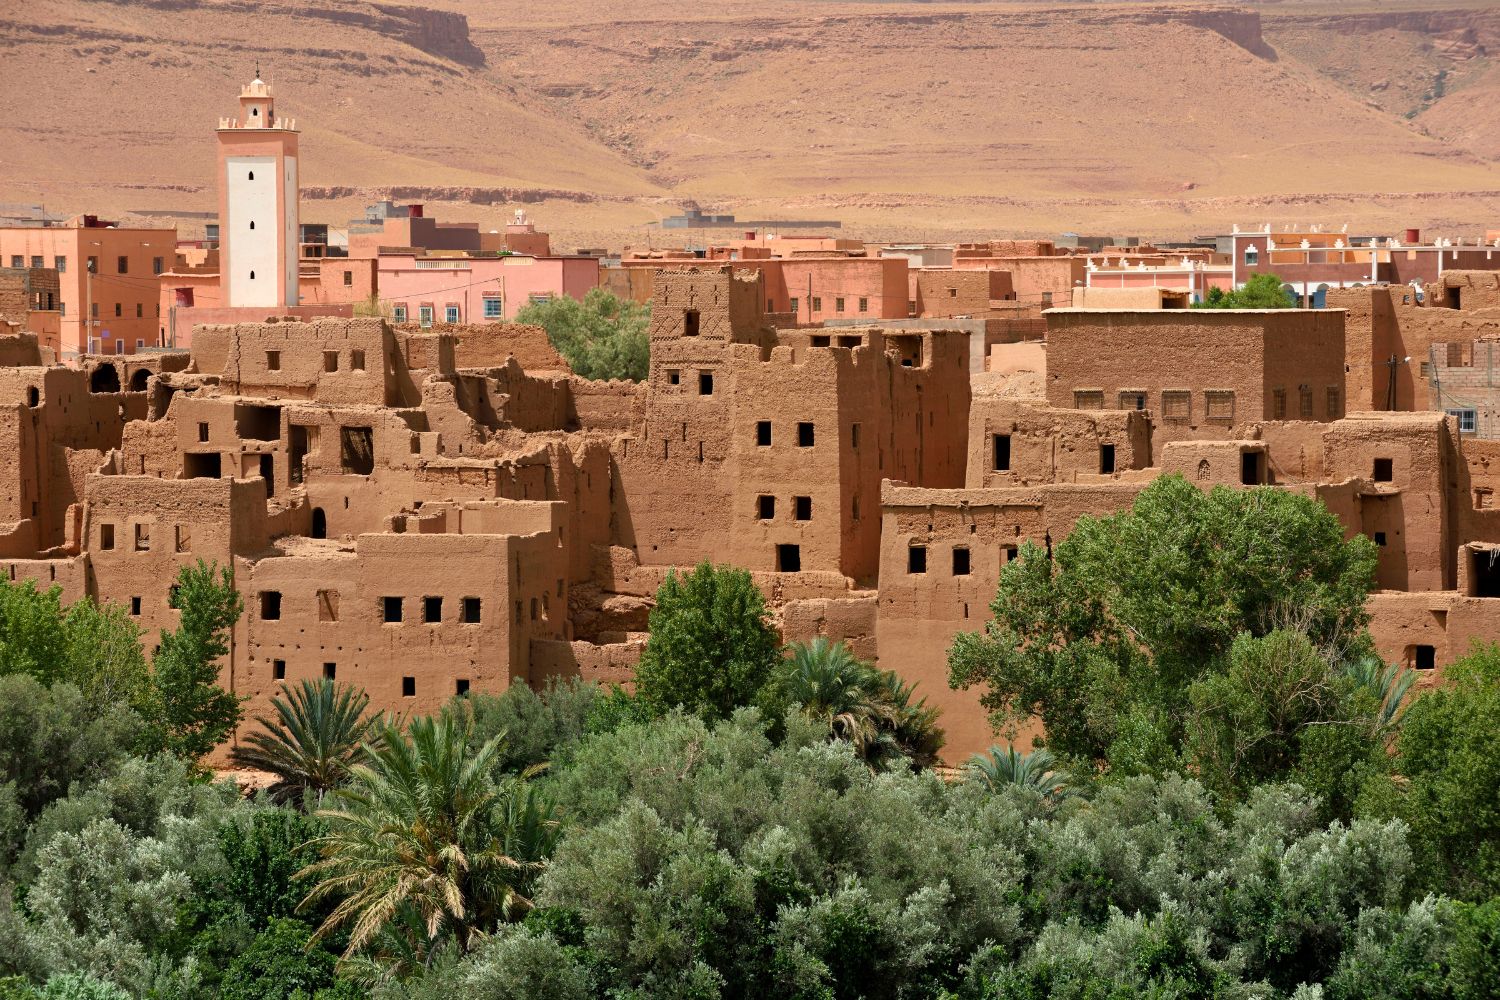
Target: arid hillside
(936,119)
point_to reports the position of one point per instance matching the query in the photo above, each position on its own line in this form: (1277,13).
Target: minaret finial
(257,69)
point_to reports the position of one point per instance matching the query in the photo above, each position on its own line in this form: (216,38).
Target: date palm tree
(315,734)
(872,709)
(422,829)
(1009,768)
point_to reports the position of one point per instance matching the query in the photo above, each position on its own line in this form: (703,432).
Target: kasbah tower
(257,179)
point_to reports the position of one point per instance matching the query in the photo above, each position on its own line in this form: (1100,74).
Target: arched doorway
(105,378)
(320,523)
(139,379)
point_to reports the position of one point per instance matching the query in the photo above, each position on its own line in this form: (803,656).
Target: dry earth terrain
(940,120)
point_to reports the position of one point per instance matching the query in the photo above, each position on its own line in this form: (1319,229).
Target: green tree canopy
(196,713)
(1448,759)
(602,337)
(711,648)
(1103,639)
(1261,291)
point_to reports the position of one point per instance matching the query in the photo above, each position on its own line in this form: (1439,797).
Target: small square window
(1383,470)
(408,687)
(330,361)
(330,671)
(960,562)
(471,610)
(122,264)
(135,606)
(143,538)
(278,670)
(390,609)
(788,558)
(674,377)
(821,340)
(765,507)
(804,434)
(817,303)
(450,314)
(270,605)
(398,314)
(690,323)
(864,305)
(705,383)
(348,278)
(203,431)
(1380,538)
(1088,399)
(492,307)
(916,559)
(357,360)
(802,508)
(432,609)
(106,536)
(461,686)
(763,433)
(1424,657)
(1132,399)
(1176,404)
(838,304)
(273,361)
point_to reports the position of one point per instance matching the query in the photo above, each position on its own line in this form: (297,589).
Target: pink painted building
(431,289)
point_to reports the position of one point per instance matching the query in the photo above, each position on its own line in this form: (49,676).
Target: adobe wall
(340,362)
(1250,354)
(1015,442)
(489,345)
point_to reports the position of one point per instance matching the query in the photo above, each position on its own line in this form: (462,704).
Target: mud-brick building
(767,448)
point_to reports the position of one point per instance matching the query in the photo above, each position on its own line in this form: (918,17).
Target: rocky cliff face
(435,32)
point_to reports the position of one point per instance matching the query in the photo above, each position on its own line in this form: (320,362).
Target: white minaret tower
(258,211)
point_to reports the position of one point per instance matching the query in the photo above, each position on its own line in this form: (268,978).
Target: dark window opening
(268,473)
(33,397)
(821,340)
(765,507)
(1383,470)
(203,432)
(1106,459)
(960,562)
(1484,573)
(255,423)
(278,670)
(690,323)
(461,686)
(273,361)
(330,671)
(1380,538)
(330,361)
(471,610)
(802,508)
(705,383)
(270,605)
(763,433)
(390,609)
(805,434)
(788,558)
(1002,452)
(674,377)
(1423,657)
(106,536)
(357,450)
(916,559)
(357,360)
(202,466)
(296,452)
(432,609)
(135,606)
(408,687)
